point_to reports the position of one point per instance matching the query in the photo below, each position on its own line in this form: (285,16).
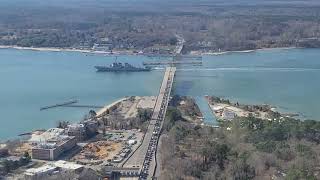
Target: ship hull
(108,69)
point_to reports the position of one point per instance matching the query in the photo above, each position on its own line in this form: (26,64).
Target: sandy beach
(105,108)
(128,52)
(243,51)
(118,52)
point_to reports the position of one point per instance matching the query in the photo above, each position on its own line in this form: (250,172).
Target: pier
(156,63)
(84,106)
(71,104)
(59,105)
(145,156)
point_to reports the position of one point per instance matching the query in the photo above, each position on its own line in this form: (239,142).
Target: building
(91,127)
(13,159)
(53,148)
(3,150)
(78,131)
(45,136)
(40,172)
(228,114)
(102,47)
(52,170)
(69,166)
(84,130)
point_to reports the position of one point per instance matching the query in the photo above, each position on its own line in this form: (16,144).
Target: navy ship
(119,67)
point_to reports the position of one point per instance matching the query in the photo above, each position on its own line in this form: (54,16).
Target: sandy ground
(52,49)
(126,52)
(104,109)
(244,51)
(220,107)
(102,150)
(130,108)
(24,147)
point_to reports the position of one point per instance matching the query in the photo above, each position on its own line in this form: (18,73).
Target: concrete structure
(3,150)
(51,169)
(53,148)
(83,130)
(116,172)
(102,47)
(91,127)
(13,159)
(144,157)
(49,134)
(78,131)
(41,172)
(68,165)
(228,114)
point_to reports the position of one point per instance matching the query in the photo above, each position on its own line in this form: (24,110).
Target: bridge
(144,157)
(172,63)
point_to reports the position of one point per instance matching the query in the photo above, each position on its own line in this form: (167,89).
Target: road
(180,44)
(144,157)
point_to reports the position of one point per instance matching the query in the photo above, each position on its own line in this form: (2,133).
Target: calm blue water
(209,117)
(288,79)
(30,80)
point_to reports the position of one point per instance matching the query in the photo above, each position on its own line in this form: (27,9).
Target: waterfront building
(40,172)
(228,114)
(53,170)
(3,150)
(53,148)
(47,135)
(83,130)
(78,131)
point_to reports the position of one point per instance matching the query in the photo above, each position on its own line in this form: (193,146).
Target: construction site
(111,148)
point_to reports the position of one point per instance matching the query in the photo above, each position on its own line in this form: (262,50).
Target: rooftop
(50,167)
(67,165)
(49,134)
(2,146)
(54,142)
(42,169)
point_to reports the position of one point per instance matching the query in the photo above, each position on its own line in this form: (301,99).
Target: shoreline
(127,52)
(219,106)
(53,49)
(241,51)
(108,106)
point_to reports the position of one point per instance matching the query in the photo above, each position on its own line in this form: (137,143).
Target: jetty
(85,106)
(156,63)
(59,105)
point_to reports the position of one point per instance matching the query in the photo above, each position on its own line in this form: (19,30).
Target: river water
(288,79)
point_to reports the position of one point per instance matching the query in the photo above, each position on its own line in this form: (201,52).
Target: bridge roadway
(144,156)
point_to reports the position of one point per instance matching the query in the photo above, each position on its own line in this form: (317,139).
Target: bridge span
(144,157)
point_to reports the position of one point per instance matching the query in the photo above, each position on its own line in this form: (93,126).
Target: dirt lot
(97,151)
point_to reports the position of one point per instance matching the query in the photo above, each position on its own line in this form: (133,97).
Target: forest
(206,26)
(242,149)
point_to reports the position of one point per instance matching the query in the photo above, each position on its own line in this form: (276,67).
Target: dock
(59,105)
(84,106)
(156,63)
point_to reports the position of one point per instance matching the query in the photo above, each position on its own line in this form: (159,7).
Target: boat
(119,67)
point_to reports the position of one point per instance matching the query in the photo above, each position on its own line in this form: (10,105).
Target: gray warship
(119,67)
